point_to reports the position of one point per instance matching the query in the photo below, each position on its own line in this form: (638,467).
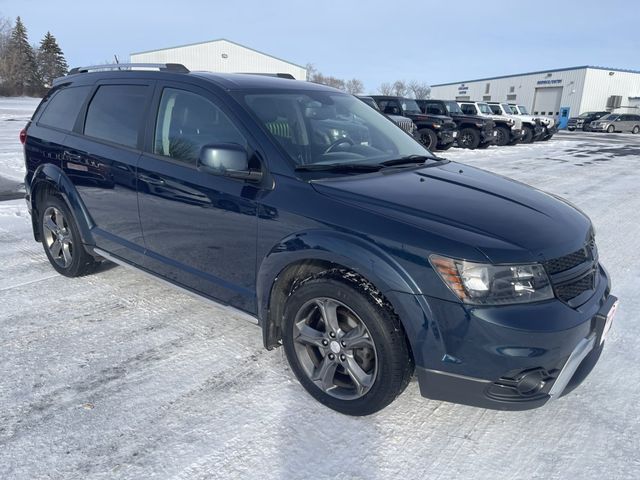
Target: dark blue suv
(362,254)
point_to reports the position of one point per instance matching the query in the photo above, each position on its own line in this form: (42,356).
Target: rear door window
(116,113)
(61,110)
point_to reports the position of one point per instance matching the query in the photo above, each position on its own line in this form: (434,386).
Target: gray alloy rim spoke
(329,310)
(56,248)
(59,218)
(66,253)
(50,225)
(325,373)
(360,378)
(357,338)
(308,335)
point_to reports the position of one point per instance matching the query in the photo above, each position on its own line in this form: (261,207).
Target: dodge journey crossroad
(363,255)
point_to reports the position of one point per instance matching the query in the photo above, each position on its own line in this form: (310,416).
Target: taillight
(23,136)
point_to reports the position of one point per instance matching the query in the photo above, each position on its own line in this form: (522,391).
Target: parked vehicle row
(440,124)
(359,252)
(616,123)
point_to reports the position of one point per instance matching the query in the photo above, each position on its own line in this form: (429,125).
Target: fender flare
(350,252)
(54,177)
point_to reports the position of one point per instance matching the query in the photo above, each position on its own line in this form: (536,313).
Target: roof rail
(279,75)
(170,67)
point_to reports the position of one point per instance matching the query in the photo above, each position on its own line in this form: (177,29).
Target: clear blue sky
(376,41)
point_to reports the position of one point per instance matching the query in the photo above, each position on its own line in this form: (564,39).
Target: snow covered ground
(116,376)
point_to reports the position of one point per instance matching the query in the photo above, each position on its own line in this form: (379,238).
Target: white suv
(548,124)
(508,128)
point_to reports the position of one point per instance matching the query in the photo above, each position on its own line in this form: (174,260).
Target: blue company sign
(463,88)
(550,82)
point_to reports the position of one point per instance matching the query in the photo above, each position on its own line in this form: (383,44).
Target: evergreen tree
(51,62)
(19,68)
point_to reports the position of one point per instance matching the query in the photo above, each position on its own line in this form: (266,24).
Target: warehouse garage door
(547,101)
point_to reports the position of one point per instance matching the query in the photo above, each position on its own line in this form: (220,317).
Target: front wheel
(527,137)
(61,239)
(428,138)
(349,352)
(571,129)
(611,129)
(635,130)
(469,138)
(502,136)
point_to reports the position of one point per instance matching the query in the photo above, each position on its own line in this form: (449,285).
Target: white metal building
(578,89)
(220,56)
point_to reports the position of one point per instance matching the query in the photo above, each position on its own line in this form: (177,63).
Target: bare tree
(355,86)
(400,88)
(313,75)
(420,90)
(385,89)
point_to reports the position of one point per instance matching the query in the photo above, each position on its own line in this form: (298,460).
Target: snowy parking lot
(116,376)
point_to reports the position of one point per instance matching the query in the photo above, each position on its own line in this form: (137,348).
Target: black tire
(428,138)
(502,136)
(71,259)
(528,134)
(469,138)
(572,129)
(392,364)
(585,127)
(635,130)
(611,129)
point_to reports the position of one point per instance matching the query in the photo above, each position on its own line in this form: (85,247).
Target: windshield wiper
(339,167)
(409,159)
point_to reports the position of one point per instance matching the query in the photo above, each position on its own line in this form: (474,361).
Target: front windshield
(509,109)
(316,127)
(495,109)
(452,107)
(484,108)
(410,106)
(586,114)
(523,110)
(610,116)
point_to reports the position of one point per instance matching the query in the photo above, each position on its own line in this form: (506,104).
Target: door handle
(151,180)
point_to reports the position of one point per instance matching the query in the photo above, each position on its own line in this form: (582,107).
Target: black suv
(584,120)
(359,252)
(473,131)
(434,131)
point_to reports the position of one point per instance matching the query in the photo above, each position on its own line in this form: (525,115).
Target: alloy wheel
(57,236)
(335,348)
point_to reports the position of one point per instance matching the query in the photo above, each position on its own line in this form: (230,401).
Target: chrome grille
(407,125)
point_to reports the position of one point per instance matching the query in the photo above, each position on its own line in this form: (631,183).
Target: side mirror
(227,160)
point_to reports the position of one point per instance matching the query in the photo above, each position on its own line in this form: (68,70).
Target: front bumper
(598,128)
(489,136)
(513,357)
(446,137)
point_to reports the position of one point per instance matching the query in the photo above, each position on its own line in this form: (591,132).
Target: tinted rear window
(115,113)
(62,109)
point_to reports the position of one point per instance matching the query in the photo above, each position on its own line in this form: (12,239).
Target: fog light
(530,383)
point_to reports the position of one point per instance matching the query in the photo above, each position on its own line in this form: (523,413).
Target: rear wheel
(469,138)
(527,137)
(61,239)
(611,129)
(346,350)
(428,138)
(502,136)
(635,130)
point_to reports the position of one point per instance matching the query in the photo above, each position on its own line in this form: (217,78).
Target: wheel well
(296,274)
(42,190)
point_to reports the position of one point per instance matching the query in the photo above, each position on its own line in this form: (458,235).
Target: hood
(429,117)
(470,118)
(505,220)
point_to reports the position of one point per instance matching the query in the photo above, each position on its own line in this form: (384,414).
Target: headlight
(480,124)
(487,284)
(437,125)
